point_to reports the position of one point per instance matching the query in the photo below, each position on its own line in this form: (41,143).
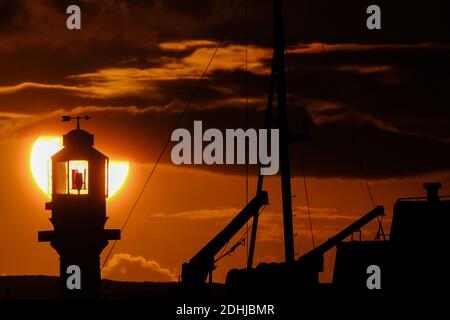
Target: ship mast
(278,84)
(279,65)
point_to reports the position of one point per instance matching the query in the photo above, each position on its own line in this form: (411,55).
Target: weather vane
(68,118)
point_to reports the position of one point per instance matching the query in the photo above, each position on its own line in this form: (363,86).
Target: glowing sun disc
(40,162)
(118,172)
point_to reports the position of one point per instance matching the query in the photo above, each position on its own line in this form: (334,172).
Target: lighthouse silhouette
(79,188)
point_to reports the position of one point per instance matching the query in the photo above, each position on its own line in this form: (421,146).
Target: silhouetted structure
(279,279)
(409,258)
(412,256)
(195,272)
(79,190)
(397,258)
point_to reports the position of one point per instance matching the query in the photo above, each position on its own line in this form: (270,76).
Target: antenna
(68,118)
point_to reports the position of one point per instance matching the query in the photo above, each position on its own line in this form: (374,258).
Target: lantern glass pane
(60,176)
(78,177)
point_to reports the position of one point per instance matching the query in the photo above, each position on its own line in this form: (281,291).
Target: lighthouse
(79,188)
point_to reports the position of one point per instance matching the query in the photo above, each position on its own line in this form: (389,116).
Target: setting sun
(44,147)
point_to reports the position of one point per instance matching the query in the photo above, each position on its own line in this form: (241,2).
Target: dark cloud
(12,16)
(148,54)
(403,86)
(330,152)
(408,92)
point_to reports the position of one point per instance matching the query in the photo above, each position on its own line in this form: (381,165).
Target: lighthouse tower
(79,189)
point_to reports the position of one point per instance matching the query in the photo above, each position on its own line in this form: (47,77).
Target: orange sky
(180,211)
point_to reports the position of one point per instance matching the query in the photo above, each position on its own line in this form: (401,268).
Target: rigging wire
(302,164)
(246,107)
(241,240)
(259,184)
(302,167)
(177,124)
(305,185)
(335,85)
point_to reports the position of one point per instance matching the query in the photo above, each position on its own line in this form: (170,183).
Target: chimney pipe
(432,191)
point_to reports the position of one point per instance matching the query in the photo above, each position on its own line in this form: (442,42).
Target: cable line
(177,124)
(246,108)
(302,165)
(334,82)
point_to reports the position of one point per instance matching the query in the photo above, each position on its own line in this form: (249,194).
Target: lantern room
(79,169)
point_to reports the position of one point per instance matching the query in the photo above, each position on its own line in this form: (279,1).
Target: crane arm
(199,266)
(330,243)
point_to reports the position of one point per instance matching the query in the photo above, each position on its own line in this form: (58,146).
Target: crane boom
(358,224)
(199,266)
